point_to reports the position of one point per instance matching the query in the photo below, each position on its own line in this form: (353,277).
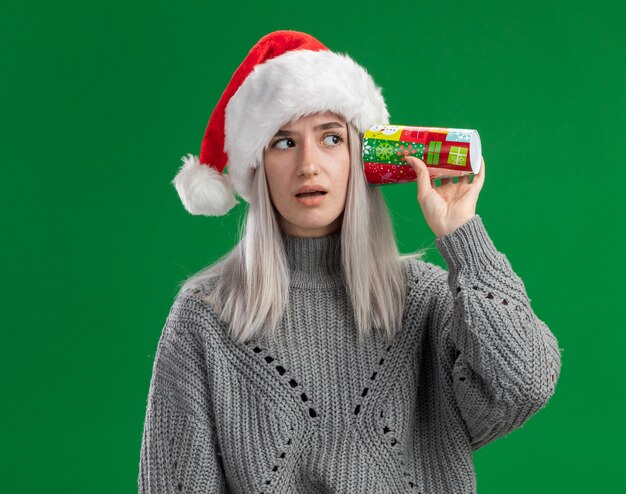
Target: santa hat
(286,75)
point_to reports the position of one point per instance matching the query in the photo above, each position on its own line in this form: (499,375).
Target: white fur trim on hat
(287,87)
(202,189)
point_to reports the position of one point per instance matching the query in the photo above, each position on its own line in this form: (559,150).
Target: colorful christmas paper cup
(446,152)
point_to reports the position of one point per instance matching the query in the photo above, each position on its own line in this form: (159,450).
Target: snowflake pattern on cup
(447,152)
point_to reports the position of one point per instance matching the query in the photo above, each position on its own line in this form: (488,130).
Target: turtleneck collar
(314,262)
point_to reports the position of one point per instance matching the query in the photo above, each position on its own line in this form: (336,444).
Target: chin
(308,228)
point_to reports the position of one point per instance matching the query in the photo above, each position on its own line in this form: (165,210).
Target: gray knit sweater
(315,412)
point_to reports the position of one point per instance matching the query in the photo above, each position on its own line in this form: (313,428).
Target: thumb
(423,178)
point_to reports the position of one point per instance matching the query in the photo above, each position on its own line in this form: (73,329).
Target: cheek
(276,185)
(271,177)
(344,176)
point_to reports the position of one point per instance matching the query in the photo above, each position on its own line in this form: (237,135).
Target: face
(311,151)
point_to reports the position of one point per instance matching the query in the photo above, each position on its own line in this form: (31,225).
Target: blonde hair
(250,284)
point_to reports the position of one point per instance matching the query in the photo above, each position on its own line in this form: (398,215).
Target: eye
(339,138)
(281,140)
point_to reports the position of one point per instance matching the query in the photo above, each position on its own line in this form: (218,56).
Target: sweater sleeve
(179,451)
(506,360)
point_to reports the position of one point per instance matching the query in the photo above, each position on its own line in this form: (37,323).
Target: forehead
(319,117)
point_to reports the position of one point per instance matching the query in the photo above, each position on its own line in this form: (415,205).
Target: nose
(308,163)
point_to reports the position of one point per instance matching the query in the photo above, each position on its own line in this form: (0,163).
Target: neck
(314,262)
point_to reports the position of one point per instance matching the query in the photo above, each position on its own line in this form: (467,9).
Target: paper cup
(447,152)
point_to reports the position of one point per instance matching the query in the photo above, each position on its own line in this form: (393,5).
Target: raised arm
(507,360)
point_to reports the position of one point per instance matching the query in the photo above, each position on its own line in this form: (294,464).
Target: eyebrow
(329,125)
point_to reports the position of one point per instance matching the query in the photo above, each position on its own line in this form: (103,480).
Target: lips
(311,188)
(311,199)
(310,194)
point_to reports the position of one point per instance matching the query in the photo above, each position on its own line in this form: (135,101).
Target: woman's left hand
(451,204)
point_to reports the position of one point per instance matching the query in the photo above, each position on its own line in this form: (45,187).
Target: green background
(100,100)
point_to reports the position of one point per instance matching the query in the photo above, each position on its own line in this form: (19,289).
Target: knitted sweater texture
(314,411)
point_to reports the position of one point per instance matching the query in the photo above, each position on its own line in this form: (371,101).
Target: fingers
(479,178)
(423,180)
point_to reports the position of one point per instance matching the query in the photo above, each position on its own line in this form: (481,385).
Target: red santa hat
(286,75)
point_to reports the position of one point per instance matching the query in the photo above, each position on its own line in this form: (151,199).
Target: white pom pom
(202,189)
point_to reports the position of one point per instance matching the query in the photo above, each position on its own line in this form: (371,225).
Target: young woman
(314,357)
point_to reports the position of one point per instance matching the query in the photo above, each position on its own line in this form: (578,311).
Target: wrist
(452,226)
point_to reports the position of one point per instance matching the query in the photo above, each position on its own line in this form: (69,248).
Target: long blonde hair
(249,285)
